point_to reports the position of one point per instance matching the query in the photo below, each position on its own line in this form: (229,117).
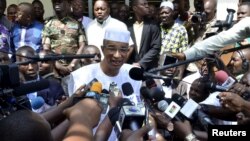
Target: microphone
(37,102)
(139,74)
(170,110)
(95,90)
(59,57)
(223,79)
(154,94)
(31,87)
(128,92)
(114,90)
(189,107)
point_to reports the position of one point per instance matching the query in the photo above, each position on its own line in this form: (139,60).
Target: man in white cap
(174,36)
(111,69)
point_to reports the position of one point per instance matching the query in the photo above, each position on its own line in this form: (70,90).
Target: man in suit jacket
(146,37)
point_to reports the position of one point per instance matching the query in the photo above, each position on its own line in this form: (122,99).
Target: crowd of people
(121,38)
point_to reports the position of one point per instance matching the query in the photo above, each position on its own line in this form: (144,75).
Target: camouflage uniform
(63,36)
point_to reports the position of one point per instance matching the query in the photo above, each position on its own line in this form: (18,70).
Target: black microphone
(139,74)
(128,92)
(31,87)
(154,94)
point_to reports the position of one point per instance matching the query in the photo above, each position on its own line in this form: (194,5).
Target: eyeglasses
(112,50)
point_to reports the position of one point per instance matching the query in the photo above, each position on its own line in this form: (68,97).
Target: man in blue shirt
(26,31)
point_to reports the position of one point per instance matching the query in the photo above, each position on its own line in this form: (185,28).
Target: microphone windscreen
(96,87)
(136,73)
(221,76)
(37,102)
(162,105)
(157,94)
(31,87)
(127,89)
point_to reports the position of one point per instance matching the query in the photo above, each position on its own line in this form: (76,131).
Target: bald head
(210,8)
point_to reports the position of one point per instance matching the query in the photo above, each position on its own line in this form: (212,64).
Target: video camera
(199,17)
(9,76)
(228,22)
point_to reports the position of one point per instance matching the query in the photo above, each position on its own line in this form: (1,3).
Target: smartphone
(166,59)
(169,60)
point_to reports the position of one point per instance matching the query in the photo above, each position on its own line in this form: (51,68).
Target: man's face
(11,13)
(39,10)
(123,12)
(243,11)
(166,15)
(196,92)
(30,70)
(141,8)
(115,54)
(235,65)
(101,10)
(96,59)
(45,67)
(59,6)
(22,16)
(78,8)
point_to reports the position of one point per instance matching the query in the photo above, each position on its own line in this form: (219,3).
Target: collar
(105,21)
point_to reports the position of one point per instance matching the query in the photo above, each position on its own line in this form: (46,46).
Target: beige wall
(47,5)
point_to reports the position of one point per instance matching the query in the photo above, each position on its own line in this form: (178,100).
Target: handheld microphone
(37,102)
(192,109)
(128,92)
(95,90)
(31,87)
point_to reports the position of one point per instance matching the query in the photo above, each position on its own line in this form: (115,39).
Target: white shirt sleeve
(238,32)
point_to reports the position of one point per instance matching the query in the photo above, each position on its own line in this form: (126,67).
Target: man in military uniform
(63,35)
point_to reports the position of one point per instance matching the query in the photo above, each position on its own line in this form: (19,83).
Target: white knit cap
(118,35)
(168,4)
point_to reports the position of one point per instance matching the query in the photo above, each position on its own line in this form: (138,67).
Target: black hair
(24,125)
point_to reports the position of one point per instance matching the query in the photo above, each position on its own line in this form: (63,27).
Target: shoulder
(49,19)
(117,22)
(38,24)
(85,70)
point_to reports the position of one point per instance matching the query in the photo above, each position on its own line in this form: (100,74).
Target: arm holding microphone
(105,128)
(238,32)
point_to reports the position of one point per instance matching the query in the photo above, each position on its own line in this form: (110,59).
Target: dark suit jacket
(150,45)
(52,93)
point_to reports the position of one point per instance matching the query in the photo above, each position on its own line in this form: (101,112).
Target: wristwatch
(190,137)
